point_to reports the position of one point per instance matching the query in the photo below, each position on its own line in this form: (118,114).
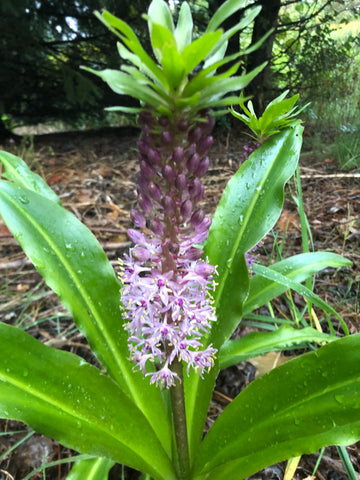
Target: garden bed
(94,174)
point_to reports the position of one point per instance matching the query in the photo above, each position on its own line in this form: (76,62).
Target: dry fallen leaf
(267,362)
(287,221)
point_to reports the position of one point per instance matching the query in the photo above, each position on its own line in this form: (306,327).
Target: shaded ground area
(94,175)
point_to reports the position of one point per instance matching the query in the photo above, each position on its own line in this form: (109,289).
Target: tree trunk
(4,132)
(267,19)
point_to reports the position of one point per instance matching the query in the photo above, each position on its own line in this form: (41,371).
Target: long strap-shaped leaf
(74,265)
(59,394)
(18,172)
(305,404)
(258,343)
(248,209)
(297,268)
(262,290)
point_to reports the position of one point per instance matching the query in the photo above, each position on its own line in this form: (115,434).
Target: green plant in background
(346,150)
(179,309)
(279,114)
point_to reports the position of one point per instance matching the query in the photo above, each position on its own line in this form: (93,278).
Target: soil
(94,174)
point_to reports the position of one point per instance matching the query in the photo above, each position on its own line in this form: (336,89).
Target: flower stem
(179,417)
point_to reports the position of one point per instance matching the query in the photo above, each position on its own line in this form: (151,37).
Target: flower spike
(166,285)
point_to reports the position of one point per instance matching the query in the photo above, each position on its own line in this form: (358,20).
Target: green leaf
(216,55)
(161,37)
(297,268)
(18,172)
(159,13)
(213,92)
(198,393)
(203,79)
(301,289)
(226,9)
(249,207)
(279,114)
(174,66)
(92,469)
(244,215)
(184,27)
(129,38)
(62,396)
(165,48)
(135,60)
(213,66)
(74,265)
(248,18)
(124,84)
(182,103)
(137,75)
(276,112)
(306,404)
(196,52)
(258,343)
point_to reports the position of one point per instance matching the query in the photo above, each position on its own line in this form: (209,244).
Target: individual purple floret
(166,286)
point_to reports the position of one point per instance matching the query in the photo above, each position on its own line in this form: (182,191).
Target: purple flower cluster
(166,285)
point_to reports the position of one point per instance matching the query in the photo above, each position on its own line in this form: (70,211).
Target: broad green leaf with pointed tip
(258,343)
(126,54)
(174,66)
(165,48)
(75,266)
(91,469)
(18,172)
(275,111)
(248,209)
(128,36)
(197,51)
(159,13)
(297,268)
(297,408)
(60,395)
(161,38)
(123,84)
(184,27)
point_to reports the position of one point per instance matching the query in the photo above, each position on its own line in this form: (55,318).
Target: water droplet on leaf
(24,200)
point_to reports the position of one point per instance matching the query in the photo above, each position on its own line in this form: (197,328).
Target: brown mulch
(94,175)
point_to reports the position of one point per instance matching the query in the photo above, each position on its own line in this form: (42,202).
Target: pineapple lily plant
(161,325)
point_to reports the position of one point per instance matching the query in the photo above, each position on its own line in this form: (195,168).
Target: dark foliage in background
(44,43)
(42,46)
